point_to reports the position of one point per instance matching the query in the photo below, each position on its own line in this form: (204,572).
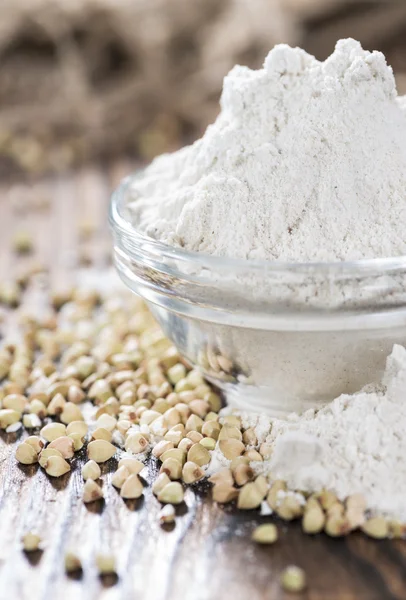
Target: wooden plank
(208,554)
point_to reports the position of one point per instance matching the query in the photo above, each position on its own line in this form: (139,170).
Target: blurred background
(91,80)
(90,90)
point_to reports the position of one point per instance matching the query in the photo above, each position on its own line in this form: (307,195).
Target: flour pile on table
(356,444)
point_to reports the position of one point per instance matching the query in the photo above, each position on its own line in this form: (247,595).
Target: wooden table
(207,555)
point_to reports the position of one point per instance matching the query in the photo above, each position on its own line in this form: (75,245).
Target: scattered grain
(120,476)
(265,534)
(224,492)
(192,472)
(65,445)
(91,491)
(72,562)
(171,493)
(167,514)
(231,448)
(132,487)
(91,470)
(100,450)
(132,464)
(45,454)
(293,579)
(56,466)
(26,454)
(106,564)
(31,542)
(376,527)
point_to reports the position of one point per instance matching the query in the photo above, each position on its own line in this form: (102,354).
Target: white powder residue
(282,494)
(258,422)
(306,161)
(356,444)
(217,462)
(265,509)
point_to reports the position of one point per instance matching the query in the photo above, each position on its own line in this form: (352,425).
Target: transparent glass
(276,337)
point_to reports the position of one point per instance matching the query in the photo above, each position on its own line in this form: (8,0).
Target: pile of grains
(306,162)
(92,372)
(150,406)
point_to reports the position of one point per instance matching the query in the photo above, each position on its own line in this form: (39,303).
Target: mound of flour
(355,444)
(306,161)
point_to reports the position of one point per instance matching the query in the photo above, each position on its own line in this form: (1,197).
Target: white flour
(307,161)
(356,444)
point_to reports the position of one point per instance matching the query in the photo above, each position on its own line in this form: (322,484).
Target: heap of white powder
(306,161)
(355,444)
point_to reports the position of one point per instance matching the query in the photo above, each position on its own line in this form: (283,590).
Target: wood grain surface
(208,554)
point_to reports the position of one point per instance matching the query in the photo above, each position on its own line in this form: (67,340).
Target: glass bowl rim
(121,225)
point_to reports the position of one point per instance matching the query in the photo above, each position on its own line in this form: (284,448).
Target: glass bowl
(276,337)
